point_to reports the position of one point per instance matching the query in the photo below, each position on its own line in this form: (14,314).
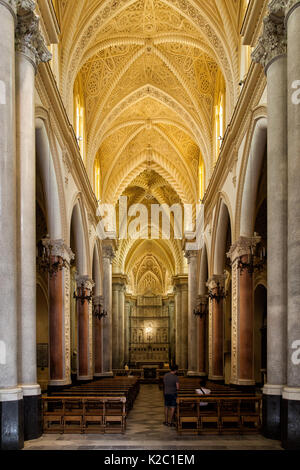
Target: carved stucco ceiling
(148,69)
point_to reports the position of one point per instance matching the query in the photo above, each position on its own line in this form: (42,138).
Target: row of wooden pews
(225,410)
(100,406)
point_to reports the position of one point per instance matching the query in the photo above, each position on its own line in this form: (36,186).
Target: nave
(145,430)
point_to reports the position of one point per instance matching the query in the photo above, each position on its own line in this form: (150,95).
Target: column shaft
(192,257)
(108,247)
(98,340)
(291,392)
(84,312)
(56,329)
(11,421)
(271,53)
(184,326)
(115,326)
(216,326)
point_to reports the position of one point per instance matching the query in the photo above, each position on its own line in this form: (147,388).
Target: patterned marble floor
(145,430)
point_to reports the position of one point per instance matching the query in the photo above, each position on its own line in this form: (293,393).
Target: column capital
(190,255)
(277,7)
(59,248)
(180,280)
(119,279)
(273,42)
(109,248)
(202,299)
(29,40)
(215,280)
(98,300)
(85,282)
(242,247)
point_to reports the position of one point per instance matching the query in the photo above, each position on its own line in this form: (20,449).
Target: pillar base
(291,418)
(83,378)
(192,373)
(11,419)
(218,378)
(106,374)
(59,383)
(271,411)
(33,426)
(243,382)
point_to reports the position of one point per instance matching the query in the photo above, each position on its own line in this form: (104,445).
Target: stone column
(242,352)
(127,332)
(291,392)
(122,326)
(192,257)
(98,340)
(181,320)
(119,281)
(216,330)
(177,295)
(84,313)
(59,314)
(172,329)
(30,51)
(108,253)
(11,403)
(184,324)
(201,329)
(271,53)
(115,325)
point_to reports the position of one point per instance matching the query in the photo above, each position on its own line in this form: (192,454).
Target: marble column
(202,321)
(271,53)
(177,296)
(84,314)
(59,315)
(192,259)
(30,51)
(127,331)
(201,329)
(172,329)
(98,340)
(122,326)
(115,326)
(216,330)
(108,253)
(242,352)
(11,402)
(291,391)
(118,298)
(181,319)
(184,325)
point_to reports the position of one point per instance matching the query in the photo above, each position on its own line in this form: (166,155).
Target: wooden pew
(232,414)
(84,414)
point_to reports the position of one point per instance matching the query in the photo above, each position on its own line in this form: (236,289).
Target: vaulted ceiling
(148,70)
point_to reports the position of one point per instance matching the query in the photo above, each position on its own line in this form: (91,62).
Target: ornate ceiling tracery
(148,70)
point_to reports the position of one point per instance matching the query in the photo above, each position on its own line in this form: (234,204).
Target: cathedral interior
(174,106)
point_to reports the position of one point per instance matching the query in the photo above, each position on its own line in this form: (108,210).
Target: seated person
(203,391)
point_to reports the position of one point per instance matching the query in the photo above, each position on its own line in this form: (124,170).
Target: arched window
(201,176)
(79,115)
(97,178)
(220,106)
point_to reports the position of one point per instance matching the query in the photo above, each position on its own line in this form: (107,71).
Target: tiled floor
(146,431)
